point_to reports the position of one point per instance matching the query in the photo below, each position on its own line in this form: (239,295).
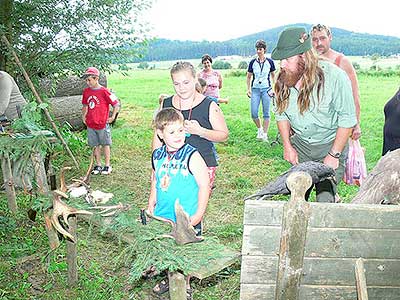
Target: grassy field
(28,270)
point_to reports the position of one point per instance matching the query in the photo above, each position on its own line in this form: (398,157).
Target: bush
(143,65)
(221,65)
(237,73)
(243,65)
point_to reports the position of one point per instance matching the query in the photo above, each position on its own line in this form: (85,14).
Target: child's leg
(97,155)
(107,154)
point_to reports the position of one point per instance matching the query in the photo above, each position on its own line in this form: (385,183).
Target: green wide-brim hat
(291,41)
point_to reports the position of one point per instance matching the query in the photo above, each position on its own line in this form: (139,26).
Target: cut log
(382,185)
(70,86)
(67,109)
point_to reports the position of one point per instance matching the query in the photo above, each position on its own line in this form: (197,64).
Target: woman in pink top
(212,77)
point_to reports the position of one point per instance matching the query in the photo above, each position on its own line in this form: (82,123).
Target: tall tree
(56,37)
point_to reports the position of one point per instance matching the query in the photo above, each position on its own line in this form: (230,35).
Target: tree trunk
(70,86)
(382,185)
(67,109)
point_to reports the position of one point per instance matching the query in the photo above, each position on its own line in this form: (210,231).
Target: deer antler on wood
(182,231)
(62,209)
(108,211)
(77,182)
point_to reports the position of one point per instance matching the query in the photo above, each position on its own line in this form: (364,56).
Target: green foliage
(243,65)
(221,65)
(57,37)
(237,73)
(143,65)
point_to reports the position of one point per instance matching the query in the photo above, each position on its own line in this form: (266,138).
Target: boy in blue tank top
(179,172)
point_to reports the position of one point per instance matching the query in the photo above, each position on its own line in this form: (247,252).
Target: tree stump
(382,185)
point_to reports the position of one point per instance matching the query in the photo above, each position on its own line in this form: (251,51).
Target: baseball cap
(91,71)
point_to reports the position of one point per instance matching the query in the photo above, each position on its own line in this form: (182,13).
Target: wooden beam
(9,183)
(72,252)
(361,282)
(293,238)
(177,286)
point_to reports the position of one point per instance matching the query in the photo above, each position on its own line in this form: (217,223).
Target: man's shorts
(99,137)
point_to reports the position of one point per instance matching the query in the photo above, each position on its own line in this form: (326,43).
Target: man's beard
(290,78)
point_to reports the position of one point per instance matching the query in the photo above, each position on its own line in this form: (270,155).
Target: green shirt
(336,108)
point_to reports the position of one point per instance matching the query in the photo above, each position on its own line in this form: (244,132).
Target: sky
(220,20)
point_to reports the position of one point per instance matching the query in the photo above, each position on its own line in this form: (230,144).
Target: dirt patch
(31,268)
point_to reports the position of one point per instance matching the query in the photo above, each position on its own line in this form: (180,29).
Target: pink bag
(356,169)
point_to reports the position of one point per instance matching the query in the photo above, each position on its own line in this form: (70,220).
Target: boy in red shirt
(96,101)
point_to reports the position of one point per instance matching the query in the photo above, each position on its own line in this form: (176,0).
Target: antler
(62,209)
(182,231)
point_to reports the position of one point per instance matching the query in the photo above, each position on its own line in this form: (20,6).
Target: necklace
(190,111)
(166,179)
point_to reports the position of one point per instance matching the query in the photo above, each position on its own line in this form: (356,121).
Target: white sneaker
(265,137)
(260,134)
(106,170)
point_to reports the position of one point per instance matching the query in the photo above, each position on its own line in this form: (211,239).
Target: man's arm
(342,135)
(346,65)
(289,153)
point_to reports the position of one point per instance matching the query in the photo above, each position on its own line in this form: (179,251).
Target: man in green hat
(314,107)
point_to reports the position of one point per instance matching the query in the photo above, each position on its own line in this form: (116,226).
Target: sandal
(189,294)
(161,287)
(150,272)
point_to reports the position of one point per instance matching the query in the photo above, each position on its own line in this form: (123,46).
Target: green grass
(245,166)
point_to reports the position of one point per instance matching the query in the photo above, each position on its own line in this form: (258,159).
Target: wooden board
(337,235)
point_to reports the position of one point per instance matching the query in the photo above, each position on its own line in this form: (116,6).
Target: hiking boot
(97,170)
(106,170)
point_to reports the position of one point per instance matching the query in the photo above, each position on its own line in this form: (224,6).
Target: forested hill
(348,42)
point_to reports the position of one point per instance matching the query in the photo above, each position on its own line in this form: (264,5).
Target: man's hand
(332,162)
(290,155)
(356,132)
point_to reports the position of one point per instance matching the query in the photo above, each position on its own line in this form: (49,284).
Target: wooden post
(40,173)
(293,238)
(177,286)
(361,282)
(9,183)
(51,232)
(72,252)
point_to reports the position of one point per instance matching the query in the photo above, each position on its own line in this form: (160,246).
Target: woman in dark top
(391,129)
(204,121)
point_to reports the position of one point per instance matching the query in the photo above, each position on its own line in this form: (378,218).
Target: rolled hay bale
(69,86)
(67,109)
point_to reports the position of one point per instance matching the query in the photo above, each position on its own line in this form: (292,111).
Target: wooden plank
(361,283)
(309,292)
(177,286)
(342,215)
(367,243)
(293,237)
(326,215)
(261,240)
(215,265)
(259,270)
(257,292)
(323,271)
(9,184)
(265,213)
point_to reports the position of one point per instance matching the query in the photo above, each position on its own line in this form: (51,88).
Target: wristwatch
(334,154)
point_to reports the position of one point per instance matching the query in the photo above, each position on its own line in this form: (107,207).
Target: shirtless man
(321,40)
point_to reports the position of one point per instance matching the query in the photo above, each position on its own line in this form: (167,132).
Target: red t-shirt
(98,102)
